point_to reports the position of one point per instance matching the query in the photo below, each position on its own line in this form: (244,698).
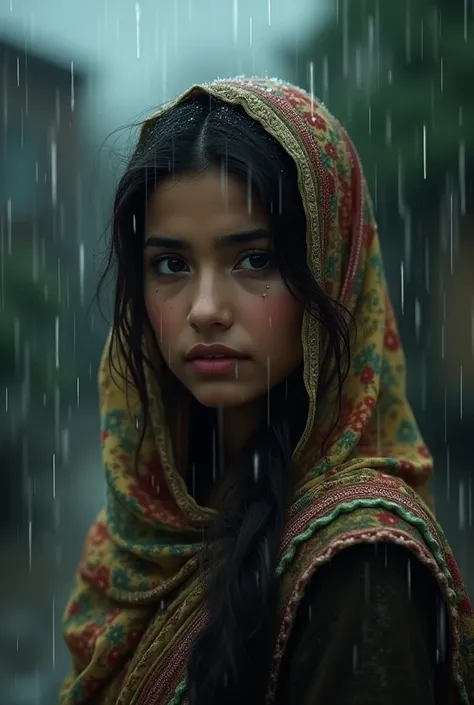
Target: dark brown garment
(370,630)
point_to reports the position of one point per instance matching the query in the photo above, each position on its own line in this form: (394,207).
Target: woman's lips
(215,366)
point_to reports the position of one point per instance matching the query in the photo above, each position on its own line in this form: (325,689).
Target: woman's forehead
(203,204)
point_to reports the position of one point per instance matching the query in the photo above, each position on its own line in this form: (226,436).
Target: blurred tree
(396,75)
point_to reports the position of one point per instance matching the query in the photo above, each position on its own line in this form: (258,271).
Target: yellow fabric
(143,546)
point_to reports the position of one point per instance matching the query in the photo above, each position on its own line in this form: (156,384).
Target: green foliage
(395,72)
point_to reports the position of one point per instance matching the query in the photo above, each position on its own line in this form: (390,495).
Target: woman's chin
(223,394)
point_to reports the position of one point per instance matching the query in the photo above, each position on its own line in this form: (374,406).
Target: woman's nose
(210,304)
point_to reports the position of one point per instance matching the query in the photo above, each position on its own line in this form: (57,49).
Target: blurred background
(71,73)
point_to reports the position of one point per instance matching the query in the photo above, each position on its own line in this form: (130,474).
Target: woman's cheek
(163,319)
(277,313)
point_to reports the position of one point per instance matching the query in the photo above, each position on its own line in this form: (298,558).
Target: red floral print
(331,182)
(133,637)
(115,655)
(369,234)
(391,340)
(73,609)
(345,216)
(331,151)
(388,518)
(367,375)
(155,480)
(101,577)
(453,569)
(359,420)
(315,120)
(143,499)
(369,402)
(294,98)
(91,685)
(98,534)
(424,452)
(465,607)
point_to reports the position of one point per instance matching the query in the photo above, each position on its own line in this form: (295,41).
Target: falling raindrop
(469,504)
(354,658)
(137,18)
(417,318)
(73,90)
(461,505)
(54,476)
(462,176)
(53,628)
(235,20)
(424,153)
(81,271)
(427,265)
(30,545)
(388,129)
(65,445)
(448,474)
(402,287)
(325,71)
(311,85)
(256,467)
(56,341)
(54,174)
(9,226)
(472,329)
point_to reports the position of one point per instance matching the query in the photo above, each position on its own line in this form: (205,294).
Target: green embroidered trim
(179,692)
(363,504)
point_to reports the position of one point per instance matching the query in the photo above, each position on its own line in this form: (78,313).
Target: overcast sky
(143,53)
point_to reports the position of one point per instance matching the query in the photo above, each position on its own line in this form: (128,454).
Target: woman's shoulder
(387,564)
(367,576)
(366,627)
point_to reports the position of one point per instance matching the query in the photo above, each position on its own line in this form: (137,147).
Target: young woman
(267,535)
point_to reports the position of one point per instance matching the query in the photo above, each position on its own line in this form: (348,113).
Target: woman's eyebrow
(239,238)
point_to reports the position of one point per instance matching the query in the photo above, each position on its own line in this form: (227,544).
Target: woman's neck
(236,426)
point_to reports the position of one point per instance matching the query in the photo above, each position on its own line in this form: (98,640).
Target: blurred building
(41,146)
(40,140)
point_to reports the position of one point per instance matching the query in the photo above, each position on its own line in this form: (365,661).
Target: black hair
(230,659)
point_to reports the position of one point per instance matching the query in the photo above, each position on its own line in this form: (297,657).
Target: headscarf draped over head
(138,599)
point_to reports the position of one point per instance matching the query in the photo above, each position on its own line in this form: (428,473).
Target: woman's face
(225,323)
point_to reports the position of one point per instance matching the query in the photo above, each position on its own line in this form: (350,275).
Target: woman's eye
(255,261)
(168,265)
